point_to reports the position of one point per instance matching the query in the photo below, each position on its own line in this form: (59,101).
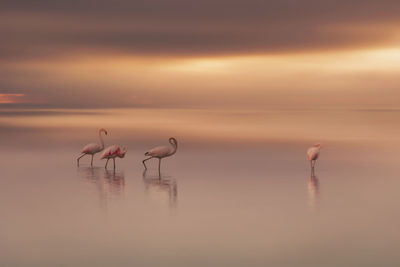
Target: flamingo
(93,148)
(161,152)
(112,152)
(313,153)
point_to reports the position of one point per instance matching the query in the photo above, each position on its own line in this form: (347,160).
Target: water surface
(239,192)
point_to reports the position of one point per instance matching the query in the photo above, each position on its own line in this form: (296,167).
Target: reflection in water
(313,190)
(116,180)
(157,185)
(108,182)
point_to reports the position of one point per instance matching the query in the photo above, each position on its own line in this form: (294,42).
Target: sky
(199,54)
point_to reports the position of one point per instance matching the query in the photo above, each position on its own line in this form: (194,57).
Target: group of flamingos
(115,151)
(159,152)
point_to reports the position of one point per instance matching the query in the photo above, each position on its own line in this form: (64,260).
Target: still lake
(238,192)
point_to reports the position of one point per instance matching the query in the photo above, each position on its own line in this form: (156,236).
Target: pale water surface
(239,191)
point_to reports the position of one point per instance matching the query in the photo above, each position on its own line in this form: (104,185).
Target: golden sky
(200,54)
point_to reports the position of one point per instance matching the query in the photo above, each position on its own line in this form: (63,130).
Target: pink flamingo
(112,152)
(161,152)
(313,154)
(93,148)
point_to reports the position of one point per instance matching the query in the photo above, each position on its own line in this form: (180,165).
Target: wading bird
(112,152)
(93,148)
(161,152)
(313,153)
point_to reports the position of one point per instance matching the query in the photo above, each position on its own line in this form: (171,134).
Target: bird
(93,148)
(112,152)
(161,152)
(313,154)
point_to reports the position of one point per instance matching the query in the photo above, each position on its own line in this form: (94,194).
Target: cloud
(11,98)
(68,53)
(186,28)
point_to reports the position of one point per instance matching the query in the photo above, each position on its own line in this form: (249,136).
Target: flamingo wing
(110,152)
(313,153)
(160,151)
(91,148)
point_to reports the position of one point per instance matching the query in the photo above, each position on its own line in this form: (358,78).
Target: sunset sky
(200,54)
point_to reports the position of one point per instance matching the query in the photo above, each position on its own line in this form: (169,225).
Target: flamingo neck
(174,148)
(101,140)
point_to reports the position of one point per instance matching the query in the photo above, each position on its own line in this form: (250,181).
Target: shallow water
(246,199)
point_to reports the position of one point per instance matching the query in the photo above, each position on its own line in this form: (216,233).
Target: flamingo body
(113,152)
(313,154)
(159,152)
(91,149)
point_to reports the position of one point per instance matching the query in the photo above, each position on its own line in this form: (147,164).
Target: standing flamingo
(313,154)
(161,152)
(112,152)
(93,148)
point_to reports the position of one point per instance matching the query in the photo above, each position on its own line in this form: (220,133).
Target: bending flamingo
(93,148)
(161,152)
(112,152)
(313,154)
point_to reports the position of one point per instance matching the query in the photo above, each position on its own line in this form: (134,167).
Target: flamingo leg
(145,161)
(312,167)
(313,164)
(159,165)
(91,162)
(106,163)
(114,163)
(80,158)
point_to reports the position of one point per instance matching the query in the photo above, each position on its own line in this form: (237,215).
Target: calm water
(238,192)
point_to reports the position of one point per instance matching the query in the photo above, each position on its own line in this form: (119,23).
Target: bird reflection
(313,190)
(157,184)
(116,180)
(107,183)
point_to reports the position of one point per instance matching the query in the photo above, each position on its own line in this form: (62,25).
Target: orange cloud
(11,98)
